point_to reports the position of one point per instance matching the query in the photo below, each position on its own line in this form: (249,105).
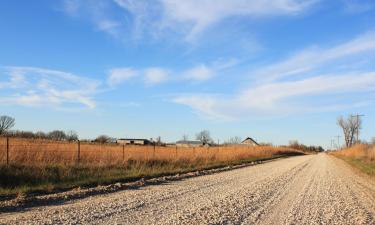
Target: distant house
(249,141)
(134,141)
(186,143)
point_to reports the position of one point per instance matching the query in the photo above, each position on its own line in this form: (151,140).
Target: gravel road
(314,189)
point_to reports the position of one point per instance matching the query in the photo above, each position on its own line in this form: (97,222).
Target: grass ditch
(24,179)
(361,156)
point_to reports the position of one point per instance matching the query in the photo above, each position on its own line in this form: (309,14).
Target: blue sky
(275,70)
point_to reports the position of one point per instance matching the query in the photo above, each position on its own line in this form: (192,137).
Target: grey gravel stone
(314,189)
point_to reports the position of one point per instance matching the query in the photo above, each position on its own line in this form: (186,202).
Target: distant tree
(71,135)
(6,123)
(103,139)
(373,140)
(204,136)
(235,140)
(185,137)
(57,135)
(350,127)
(41,135)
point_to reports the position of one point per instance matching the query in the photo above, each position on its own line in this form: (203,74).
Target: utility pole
(332,142)
(358,116)
(338,141)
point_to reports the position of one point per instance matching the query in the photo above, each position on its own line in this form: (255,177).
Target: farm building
(249,141)
(185,143)
(134,141)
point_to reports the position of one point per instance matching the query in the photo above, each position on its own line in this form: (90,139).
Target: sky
(274,70)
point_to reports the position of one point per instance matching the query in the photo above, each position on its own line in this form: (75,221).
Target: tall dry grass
(43,165)
(46,152)
(362,152)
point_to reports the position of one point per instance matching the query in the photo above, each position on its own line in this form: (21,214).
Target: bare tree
(234,140)
(40,134)
(71,135)
(350,127)
(204,136)
(103,139)
(185,137)
(57,135)
(6,123)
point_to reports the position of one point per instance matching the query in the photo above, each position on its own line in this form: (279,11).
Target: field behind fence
(45,152)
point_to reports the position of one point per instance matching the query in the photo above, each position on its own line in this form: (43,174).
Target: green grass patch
(365,166)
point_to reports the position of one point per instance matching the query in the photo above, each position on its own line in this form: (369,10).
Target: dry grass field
(45,152)
(361,156)
(35,164)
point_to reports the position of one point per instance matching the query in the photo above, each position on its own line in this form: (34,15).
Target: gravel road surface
(314,189)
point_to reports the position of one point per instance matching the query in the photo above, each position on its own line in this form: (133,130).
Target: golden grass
(361,152)
(46,152)
(361,156)
(43,165)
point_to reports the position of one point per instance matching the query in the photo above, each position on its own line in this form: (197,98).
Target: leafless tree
(103,139)
(41,135)
(57,135)
(204,136)
(6,123)
(350,127)
(234,140)
(185,137)
(71,135)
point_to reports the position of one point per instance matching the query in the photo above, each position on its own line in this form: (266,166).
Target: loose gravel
(313,189)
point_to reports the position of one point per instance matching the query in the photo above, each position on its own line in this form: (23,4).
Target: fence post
(7,150)
(123,152)
(176,151)
(79,151)
(153,154)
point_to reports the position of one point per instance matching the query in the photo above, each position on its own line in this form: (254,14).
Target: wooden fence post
(176,151)
(153,154)
(123,152)
(7,150)
(79,152)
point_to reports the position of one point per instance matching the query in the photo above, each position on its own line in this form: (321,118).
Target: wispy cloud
(278,98)
(157,75)
(314,57)
(189,18)
(117,76)
(34,86)
(287,86)
(198,15)
(199,73)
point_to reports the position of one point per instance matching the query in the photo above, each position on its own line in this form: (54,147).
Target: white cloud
(155,76)
(38,86)
(283,87)
(119,75)
(312,58)
(278,97)
(200,14)
(188,17)
(199,73)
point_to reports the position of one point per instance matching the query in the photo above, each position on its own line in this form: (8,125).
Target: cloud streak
(296,84)
(189,18)
(32,86)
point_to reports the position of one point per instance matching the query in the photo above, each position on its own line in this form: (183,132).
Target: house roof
(133,139)
(249,138)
